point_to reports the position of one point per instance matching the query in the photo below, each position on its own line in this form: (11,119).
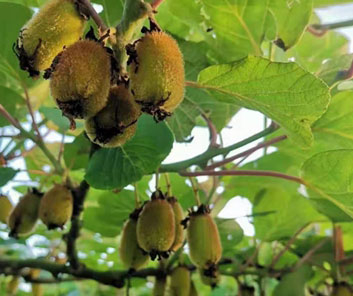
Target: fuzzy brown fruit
(5,208)
(117,122)
(80,79)
(24,216)
(57,24)
(179,229)
(132,256)
(156,226)
(156,73)
(56,207)
(203,239)
(180,281)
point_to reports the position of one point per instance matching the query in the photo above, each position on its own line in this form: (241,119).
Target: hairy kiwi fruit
(12,286)
(156,73)
(56,207)
(5,208)
(132,256)
(156,226)
(342,289)
(116,123)
(57,24)
(80,78)
(179,229)
(24,215)
(203,239)
(159,288)
(180,281)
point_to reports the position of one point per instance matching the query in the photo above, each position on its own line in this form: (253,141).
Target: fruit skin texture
(179,229)
(157,74)
(130,253)
(57,24)
(24,216)
(203,239)
(5,208)
(193,291)
(342,289)
(156,227)
(180,281)
(159,287)
(56,207)
(12,286)
(116,123)
(80,79)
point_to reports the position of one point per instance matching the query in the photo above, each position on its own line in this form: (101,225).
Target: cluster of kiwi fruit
(157,229)
(86,81)
(54,208)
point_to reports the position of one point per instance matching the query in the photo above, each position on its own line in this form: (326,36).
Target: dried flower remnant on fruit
(80,79)
(156,70)
(156,227)
(56,207)
(24,215)
(57,24)
(117,122)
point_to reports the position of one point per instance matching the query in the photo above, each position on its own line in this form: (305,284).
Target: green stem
(202,159)
(332,26)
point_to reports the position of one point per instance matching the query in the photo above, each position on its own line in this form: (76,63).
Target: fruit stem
(94,15)
(196,191)
(167,182)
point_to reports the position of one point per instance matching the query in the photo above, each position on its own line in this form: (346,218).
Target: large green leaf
(76,154)
(284,92)
(287,213)
(6,175)
(329,177)
(231,234)
(292,18)
(118,167)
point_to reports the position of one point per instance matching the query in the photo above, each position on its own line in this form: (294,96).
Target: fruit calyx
(201,210)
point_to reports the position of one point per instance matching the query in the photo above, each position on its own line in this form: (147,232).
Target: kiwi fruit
(24,215)
(56,207)
(159,288)
(180,281)
(179,229)
(342,289)
(203,239)
(117,122)
(12,286)
(57,24)
(80,79)
(193,291)
(156,227)
(156,71)
(5,208)
(132,256)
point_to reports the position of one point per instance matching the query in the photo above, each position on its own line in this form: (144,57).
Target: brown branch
(94,15)
(244,173)
(156,3)
(316,32)
(213,131)
(247,152)
(8,116)
(287,246)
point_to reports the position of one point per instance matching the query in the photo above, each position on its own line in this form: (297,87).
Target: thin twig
(247,152)
(94,15)
(156,3)
(195,190)
(213,131)
(315,32)
(244,173)
(61,149)
(250,260)
(287,246)
(8,116)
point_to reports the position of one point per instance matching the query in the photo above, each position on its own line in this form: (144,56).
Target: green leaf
(265,255)
(231,234)
(76,154)
(320,3)
(329,178)
(109,216)
(291,212)
(13,103)
(6,175)
(284,92)
(116,168)
(293,284)
(112,11)
(292,18)
(56,116)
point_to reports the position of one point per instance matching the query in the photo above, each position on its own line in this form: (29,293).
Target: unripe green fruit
(24,216)
(117,122)
(56,207)
(179,229)
(180,281)
(132,256)
(80,79)
(5,208)
(342,289)
(193,291)
(156,227)
(159,287)
(203,239)
(156,73)
(57,24)
(210,277)
(12,286)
